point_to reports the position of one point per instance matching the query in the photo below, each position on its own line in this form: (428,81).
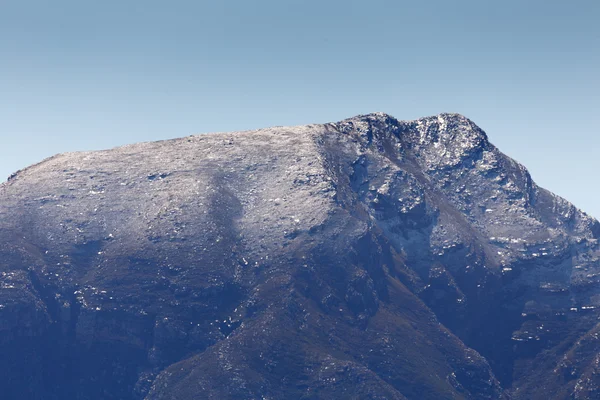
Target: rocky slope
(369,258)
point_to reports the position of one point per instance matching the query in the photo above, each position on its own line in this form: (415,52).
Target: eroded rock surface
(369,258)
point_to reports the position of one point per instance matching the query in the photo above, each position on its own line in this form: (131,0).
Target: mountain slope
(370,258)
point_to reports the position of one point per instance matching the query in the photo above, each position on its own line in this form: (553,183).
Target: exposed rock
(369,258)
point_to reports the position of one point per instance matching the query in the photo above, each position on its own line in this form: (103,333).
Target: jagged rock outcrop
(369,258)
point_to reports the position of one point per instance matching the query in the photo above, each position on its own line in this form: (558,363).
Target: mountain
(370,258)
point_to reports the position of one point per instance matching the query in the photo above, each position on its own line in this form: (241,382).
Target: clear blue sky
(89,74)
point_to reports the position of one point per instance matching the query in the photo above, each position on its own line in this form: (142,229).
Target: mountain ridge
(191,263)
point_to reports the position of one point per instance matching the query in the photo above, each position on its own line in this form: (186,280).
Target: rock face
(366,259)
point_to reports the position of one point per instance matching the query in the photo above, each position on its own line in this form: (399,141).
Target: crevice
(46,295)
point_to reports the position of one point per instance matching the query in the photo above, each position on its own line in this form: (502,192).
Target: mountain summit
(370,258)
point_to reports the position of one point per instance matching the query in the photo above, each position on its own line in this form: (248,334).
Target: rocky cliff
(369,258)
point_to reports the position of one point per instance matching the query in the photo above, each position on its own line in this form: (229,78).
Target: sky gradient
(83,74)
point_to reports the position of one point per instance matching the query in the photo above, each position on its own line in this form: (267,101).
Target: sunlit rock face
(369,258)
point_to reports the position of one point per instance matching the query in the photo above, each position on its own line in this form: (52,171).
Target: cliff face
(370,258)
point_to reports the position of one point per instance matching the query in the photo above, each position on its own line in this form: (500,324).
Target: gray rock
(369,258)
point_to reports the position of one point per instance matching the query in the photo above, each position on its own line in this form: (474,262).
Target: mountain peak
(296,262)
(446,140)
(447,127)
(442,141)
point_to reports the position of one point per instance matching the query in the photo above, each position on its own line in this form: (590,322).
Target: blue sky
(86,74)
